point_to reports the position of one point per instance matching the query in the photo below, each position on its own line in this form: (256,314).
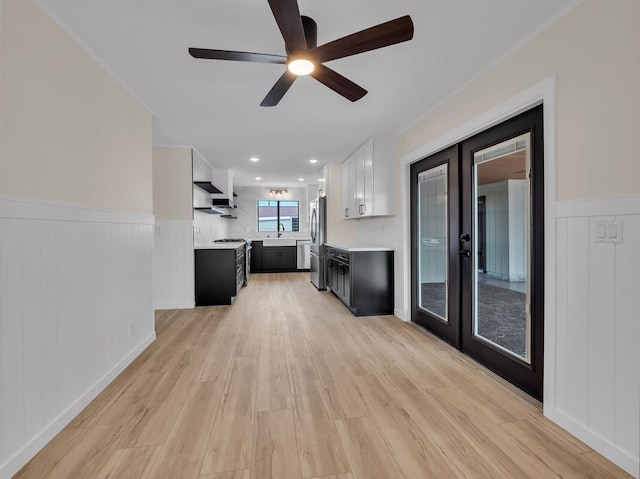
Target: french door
(477,229)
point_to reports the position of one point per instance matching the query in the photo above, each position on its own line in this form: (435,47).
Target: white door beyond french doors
(477,242)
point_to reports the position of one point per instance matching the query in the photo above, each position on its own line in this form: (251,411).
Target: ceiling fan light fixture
(305,57)
(301,66)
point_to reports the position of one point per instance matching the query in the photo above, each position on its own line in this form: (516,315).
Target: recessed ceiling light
(300,179)
(254,159)
(313,161)
(258,178)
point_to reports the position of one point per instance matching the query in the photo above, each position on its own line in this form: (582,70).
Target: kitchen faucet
(280,225)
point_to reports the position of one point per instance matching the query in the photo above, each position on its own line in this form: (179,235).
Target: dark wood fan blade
(279,89)
(287,15)
(383,35)
(338,83)
(236,56)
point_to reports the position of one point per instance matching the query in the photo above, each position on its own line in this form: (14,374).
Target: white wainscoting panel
(76,307)
(173,265)
(598,329)
(627,337)
(497,228)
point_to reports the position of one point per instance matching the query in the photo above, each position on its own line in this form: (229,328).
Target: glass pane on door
(432,242)
(502,225)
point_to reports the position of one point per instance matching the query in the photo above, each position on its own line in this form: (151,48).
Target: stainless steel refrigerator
(318,226)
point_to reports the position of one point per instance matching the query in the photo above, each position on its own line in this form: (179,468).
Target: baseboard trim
(398,313)
(606,448)
(24,455)
(184,305)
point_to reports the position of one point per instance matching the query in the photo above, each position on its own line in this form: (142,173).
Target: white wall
(76,282)
(173,265)
(70,133)
(497,214)
(247,223)
(207,228)
(172,183)
(518,217)
(173,269)
(505,229)
(589,51)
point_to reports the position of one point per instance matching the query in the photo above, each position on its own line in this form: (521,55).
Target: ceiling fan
(304,57)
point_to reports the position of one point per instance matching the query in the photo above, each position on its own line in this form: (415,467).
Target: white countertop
(282,237)
(358,247)
(218,245)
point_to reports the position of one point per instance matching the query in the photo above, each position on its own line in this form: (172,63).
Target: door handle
(464,252)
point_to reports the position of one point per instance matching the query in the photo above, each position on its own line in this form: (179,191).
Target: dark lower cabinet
(288,258)
(273,259)
(256,256)
(270,258)
(362,280)
(344,282)
(332,274)
(219,275)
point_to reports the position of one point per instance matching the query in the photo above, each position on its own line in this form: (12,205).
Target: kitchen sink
(269,242)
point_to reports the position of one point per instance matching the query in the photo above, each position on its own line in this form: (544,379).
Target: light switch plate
(608,231)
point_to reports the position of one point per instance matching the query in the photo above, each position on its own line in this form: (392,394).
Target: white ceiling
(214,105)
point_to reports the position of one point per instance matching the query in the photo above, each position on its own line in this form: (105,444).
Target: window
(274,213)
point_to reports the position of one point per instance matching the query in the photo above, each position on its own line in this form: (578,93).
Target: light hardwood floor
(286,383)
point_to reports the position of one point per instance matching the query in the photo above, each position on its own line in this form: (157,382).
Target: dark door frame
(450,331)
(528,377)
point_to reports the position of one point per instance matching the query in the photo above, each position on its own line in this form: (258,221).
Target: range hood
(222,202)
(223,178)
(214,192)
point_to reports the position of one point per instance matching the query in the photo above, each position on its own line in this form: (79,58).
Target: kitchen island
(361,276)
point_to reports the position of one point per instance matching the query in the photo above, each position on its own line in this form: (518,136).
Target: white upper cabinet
(349,194)
(322,181)
(345,188)
(368,180)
